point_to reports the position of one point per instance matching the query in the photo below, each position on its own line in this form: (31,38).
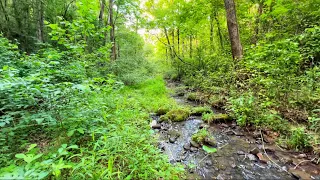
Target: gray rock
(208,163)
(254,151)
(194,144)
(252,157)
(210,141)
(187,147)
(241,153)
(156,126)
(172,140)
(203,126)
(193,149)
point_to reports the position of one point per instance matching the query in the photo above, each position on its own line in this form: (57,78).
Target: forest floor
(242,153)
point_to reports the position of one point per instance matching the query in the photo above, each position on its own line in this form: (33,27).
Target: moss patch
(162,111)
(200,136)
(198,111)
(177,115)
(204,137)
(193,97)
(210,117)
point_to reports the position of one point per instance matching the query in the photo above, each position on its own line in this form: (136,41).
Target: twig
(204,158)
(223,146)
(304,162)
(279,147)
(268,155)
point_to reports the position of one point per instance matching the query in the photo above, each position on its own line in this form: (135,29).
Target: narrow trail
(241,154)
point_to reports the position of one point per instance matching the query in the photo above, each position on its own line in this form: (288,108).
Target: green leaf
(209,149)
(32,146)
(39,120)
(20,156)
(73,147)
(70,133)
(80,130)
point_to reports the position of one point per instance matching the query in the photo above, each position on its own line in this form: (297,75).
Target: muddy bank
(241,154)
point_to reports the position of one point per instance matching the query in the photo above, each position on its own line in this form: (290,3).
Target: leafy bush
(243,109)
(299,139)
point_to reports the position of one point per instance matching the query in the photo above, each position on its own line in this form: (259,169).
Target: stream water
(233,159)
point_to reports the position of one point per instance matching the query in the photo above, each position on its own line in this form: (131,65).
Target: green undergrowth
(104,133)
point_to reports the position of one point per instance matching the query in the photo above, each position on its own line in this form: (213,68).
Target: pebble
(172,140)
(301,156)
(241,153)
(208,163)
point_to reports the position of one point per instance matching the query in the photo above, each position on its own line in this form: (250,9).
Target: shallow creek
(233,160)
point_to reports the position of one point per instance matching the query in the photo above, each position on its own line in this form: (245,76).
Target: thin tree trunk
(178,34)
(257,23)
(169,44)
(101,14)
(190,46)
(219,30)
(118,50)
(113,55)
(173,41)
(40,32)
(233,29)
(6,26)
(211,33)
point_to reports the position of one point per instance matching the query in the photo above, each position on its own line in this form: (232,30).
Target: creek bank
(241,154)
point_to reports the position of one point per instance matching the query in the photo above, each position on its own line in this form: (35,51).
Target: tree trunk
(211,33)
(173,41)
(101,14)
(190,46)
(178,34)
(40,32)
(5,26)
(169,44)
(257,23)
(233,29)
(113,55)
(219,30)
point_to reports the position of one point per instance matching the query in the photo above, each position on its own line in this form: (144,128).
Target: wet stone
(172,140)
(186,147)
(299,174)
(262,158)
(224,125)
(193,149)
(208,163)
(161,146)
(252,157)
(203,126)
(210,141)
(254,151)
(194,144)
(301,156)
(156,126)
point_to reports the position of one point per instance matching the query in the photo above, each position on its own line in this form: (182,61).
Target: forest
(160,89)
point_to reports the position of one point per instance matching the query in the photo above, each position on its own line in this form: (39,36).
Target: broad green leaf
(209,149)
(20,156)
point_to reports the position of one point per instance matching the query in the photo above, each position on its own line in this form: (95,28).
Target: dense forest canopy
(79,79)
